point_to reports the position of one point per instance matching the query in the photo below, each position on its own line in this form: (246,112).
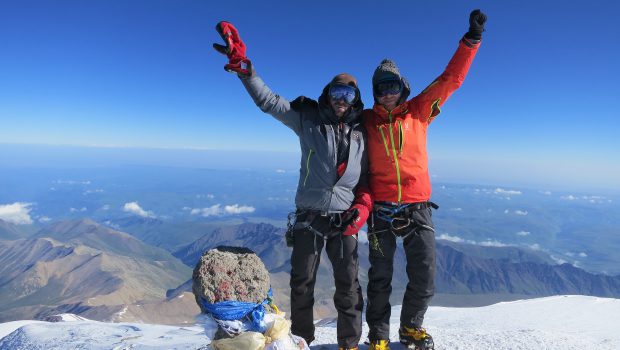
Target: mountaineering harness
(336,223)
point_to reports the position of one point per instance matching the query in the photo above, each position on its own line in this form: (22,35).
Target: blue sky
(540,104)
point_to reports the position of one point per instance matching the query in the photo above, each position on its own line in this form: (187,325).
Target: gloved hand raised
(476,25)
(354,218)
(234,49)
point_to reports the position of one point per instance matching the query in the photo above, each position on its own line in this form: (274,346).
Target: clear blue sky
(540,103)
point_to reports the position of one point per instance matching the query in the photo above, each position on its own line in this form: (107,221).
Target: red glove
(234,49)
(357,216)
(359,211)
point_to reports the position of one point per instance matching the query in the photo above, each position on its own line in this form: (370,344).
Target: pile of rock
(234,274)
(230,274)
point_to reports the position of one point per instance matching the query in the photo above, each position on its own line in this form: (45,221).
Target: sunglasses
(390,87)
(346,93)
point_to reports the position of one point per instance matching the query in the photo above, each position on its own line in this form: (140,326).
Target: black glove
(476,25)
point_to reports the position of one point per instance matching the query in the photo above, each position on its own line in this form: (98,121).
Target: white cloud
(75,210)
(583,255)
(44,219)
(447,237)
(112,225)
(237,209)
(492,243)
(134,208)
(72,182)
(506,192)
(280,171)
(456,209)
(517,212)
(277,198)
(546,193)
(213,210)
(535,246)
(17,213)
(523,233)
(106,207)
(557,260)
(457,239)
(217,210)
(590,199)
(87,192)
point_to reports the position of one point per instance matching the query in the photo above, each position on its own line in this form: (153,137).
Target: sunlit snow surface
(561,322)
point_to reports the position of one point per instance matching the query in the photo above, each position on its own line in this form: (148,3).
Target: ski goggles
(389,87)
(340,92)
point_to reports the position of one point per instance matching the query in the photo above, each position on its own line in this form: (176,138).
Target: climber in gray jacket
(332,200)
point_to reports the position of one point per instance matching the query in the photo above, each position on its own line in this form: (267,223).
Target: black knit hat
(387,70)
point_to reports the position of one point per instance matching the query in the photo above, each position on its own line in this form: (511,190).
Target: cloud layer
(218,210)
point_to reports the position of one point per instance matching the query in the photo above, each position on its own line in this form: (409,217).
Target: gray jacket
(319,187)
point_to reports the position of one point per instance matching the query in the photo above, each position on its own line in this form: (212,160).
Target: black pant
(342,252)
(419,246)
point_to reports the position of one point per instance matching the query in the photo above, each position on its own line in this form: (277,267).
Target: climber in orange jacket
(401,188)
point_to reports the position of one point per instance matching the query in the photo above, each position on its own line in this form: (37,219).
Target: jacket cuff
(470,42)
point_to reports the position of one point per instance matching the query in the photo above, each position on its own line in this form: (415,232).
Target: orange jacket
(397,157)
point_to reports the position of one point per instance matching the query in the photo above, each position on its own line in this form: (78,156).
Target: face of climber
(388,93)
(341,97)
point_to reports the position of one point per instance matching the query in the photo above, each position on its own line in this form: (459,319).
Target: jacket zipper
(395,158)
(307,167)
(387,150)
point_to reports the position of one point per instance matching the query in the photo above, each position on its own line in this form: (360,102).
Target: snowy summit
(559,322)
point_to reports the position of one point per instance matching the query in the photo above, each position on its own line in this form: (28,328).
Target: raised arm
(271,103)
(262,95)
(435,95)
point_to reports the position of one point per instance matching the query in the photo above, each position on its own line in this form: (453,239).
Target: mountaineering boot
(353,348)
(416,338)
(379,345)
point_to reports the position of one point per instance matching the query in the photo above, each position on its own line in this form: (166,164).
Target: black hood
(351,116)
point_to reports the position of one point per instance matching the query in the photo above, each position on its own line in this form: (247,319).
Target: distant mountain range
(86,268)
(462,269)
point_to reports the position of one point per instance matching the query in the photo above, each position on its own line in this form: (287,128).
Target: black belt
(409,206)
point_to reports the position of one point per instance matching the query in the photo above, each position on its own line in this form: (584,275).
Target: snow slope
(560,322)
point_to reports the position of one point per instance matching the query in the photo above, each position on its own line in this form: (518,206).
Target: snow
(559,322)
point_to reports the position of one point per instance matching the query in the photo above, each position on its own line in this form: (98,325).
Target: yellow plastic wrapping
(280,329)
(244,341)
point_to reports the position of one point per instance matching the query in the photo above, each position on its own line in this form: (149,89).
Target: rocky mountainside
(82,267)
(460,273)
(9,231)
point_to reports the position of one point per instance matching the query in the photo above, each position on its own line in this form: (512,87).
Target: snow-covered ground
(560,322)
